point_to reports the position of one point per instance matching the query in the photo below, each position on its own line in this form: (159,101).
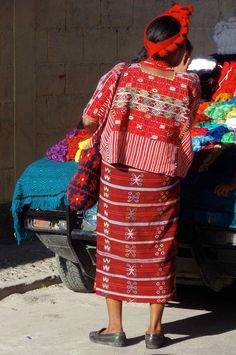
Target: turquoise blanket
(43,186)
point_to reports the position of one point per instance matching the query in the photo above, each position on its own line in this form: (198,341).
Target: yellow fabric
(231,114)
(82,145)
(224,96)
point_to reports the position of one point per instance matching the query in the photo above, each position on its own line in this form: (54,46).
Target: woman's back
(150,117)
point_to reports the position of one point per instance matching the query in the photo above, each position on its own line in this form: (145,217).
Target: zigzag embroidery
(106,267)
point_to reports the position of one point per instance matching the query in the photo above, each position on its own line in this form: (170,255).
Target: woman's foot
(110,330)
(117,339)
(154,341)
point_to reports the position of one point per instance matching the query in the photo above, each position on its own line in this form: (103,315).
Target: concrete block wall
(51,62)
(6,101)
(77,41)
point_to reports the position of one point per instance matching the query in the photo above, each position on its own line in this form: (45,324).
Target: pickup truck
(207,226)
(206,237)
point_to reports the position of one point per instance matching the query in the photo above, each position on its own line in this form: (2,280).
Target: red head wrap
(180,13)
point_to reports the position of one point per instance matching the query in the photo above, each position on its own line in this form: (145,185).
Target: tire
(72,276)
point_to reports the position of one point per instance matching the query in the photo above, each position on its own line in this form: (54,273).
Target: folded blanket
(43,186)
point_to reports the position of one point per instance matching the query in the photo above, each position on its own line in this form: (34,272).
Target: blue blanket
(43,186)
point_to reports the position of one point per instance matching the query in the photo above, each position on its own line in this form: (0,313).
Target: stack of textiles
(70,147)
(215,124)
(40,188)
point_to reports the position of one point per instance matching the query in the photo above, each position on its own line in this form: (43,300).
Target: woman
(146,148)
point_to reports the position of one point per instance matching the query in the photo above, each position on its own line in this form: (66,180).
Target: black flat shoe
(113,339)
(154,341)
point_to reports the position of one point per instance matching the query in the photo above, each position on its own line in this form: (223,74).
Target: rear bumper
(213,248)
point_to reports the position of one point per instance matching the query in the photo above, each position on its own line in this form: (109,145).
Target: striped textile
(148,125)
(136,235)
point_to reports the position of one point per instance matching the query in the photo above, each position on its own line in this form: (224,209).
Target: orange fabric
(180,13)
(203,106)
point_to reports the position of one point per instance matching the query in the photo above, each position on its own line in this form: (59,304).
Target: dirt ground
(29,259)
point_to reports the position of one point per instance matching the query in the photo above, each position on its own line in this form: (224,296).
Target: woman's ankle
(157,330)
(112,329)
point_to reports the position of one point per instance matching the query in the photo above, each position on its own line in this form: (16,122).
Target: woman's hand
(90,124)
(183,65)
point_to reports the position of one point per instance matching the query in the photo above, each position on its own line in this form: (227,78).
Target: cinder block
(6,112)
(6,15)
(7,185)
(45,141)
(104,68)
(227,8)
(100,45)
(41,112)
(83,14)
(41,43)
(6,48)
(50,14)
(64,112)
(51,79)
(144,11)
(117,13)
(81,78)
(202,40)
(7,135)
(206,13)
(6,83)
(65,47)
(6,145)
(130,42)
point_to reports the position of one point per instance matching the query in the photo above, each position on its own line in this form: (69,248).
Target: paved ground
(56,320)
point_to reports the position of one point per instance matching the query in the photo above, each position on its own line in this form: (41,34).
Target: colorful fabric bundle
(215,124)
(219,110)
(73,142)
(231,123)
(67,148)
(226,80)
(40,188)
(201,117)
(222,97)
(200,142)
(58,152)
(199,131)
(203,106)
(228,138)
(218,132)
(81,146)
(207,124)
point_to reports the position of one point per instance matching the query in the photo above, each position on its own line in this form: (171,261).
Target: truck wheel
(72,276)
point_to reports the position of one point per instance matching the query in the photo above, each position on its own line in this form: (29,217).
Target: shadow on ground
(12,255)
(221,308)
(220,317)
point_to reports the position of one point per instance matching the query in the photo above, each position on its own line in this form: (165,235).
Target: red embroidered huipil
(148,126)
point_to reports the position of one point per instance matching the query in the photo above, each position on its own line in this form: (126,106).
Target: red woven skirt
(136,235)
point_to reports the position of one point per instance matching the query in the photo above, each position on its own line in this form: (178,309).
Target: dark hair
(159,30)
(188,46)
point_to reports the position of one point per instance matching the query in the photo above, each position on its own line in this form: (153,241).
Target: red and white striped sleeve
(99,105)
